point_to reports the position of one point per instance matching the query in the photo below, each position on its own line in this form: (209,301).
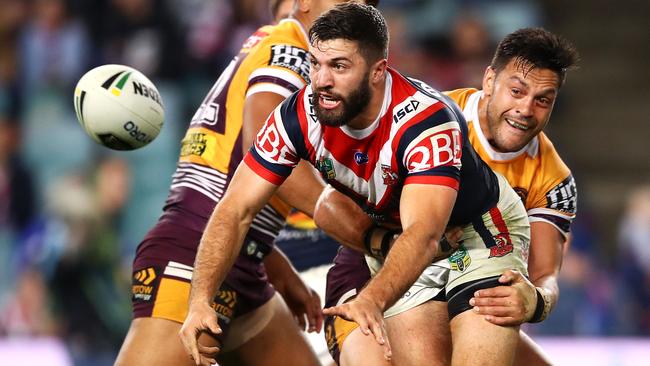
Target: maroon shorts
(345,279)
(162,272)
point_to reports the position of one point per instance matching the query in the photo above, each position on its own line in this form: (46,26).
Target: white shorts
(490,246)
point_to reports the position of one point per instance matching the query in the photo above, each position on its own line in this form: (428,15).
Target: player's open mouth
(517,125)
(327,102)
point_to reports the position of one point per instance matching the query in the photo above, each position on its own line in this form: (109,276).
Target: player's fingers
(212,325)
(496,311)
(499,291)
(492,301)
(377,330)
(189,340)
(388,352)
(300,319)
(314,314)
(208,350)
(207,360)
(337,310)
(510,276)
(503,321)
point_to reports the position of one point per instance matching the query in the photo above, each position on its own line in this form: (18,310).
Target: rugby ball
(119,107)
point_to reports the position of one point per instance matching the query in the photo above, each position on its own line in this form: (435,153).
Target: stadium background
(72,212)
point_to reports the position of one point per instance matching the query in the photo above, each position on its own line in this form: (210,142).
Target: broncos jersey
(418,137)
(536,172)
(273,59)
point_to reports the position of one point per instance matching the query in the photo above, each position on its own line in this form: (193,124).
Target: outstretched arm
(219,247)
(424,212)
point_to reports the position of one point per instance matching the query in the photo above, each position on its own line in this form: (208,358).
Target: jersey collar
(362,134)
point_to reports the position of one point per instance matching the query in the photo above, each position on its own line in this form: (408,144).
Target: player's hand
(200,318)
(449,242)
(368,315)
(509,305)
(302,300)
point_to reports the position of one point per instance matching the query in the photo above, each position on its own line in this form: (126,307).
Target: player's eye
(515,92)
(545,102)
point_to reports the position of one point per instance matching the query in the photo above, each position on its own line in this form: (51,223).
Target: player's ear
(489,78)
(379,70)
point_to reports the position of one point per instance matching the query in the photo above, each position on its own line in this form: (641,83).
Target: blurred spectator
(280,9)
(28,312)
(54,48)
(77,247)
(143,35)
(16,189)
(634,258)
(461,58)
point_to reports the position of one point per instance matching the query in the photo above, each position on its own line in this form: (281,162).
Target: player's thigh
(359,349)
(479,342)
(529,353)
(268,336)
(421,336)
(155,341)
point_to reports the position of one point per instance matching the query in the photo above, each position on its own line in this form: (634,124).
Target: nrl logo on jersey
(326,167)
(292,58)
(388,175)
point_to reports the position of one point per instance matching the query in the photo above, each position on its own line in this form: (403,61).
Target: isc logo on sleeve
(290,57)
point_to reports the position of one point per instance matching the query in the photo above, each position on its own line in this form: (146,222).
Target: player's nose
(323,78)
(525,106)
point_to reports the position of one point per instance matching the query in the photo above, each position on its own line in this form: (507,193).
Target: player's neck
(482,116)
(369,114)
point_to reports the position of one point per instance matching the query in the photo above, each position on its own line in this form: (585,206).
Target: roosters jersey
(536,172)
(273,59)
(419,137)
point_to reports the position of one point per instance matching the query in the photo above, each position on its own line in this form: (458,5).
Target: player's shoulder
(460,96)
(549,157)
(284,46)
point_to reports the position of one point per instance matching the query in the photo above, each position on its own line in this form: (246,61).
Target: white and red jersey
(418,137)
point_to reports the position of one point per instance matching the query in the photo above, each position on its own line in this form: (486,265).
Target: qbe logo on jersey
(272,146)
(437,146)
(292,58)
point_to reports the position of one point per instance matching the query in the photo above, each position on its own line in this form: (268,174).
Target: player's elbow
(323,211)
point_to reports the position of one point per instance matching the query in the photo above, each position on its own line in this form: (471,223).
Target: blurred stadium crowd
(72,212)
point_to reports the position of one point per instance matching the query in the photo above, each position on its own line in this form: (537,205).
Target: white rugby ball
(119,107)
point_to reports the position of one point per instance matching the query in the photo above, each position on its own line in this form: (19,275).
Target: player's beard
(349,108)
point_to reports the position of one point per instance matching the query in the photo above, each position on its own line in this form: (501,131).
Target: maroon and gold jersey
(273,59)
(536,172)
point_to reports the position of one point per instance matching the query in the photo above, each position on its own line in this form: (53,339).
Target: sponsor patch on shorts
(144,284)
(224,305)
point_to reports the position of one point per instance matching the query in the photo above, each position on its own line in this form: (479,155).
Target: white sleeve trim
(279,73)
(269,88)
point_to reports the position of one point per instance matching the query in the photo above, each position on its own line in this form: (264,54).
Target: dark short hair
(536,48)
(356,22)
